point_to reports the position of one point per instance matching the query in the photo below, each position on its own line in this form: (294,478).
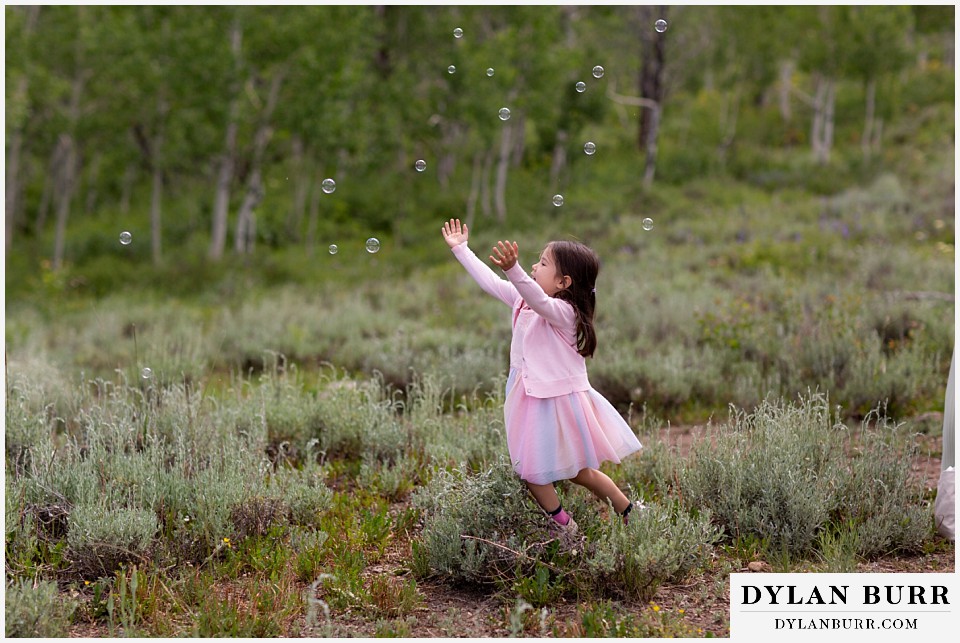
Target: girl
(558,426)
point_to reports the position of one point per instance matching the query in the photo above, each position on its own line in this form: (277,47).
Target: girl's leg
(545,494)
(603,487)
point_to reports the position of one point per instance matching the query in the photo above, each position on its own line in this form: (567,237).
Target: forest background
(796,164)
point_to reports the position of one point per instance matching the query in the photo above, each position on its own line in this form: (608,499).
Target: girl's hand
(455,234)
(507,253)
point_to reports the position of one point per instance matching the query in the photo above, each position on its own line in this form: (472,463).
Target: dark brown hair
(582,265)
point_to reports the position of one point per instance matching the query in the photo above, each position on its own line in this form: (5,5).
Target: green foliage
(101,539)
(35,609)
(780,475)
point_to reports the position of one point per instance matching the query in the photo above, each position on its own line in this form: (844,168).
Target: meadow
(290,442)
(317,460)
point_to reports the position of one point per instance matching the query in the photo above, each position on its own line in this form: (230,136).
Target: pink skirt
(553,438)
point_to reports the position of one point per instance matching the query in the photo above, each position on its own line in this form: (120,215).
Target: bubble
(647,224)
(328,186)
(660,25)
(489,71)
(581,86)
(373,245)
(146,373)
(126,238)
(333,249)
(558,200)
(458,33)
(504,114)
(589,148)
(421,165)
(452,69)
(598,72)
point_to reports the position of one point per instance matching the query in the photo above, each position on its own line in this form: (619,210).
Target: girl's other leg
(602,487)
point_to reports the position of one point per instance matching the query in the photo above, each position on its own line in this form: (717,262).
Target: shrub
(37,610)
(771,473)
(101,539)
(661,543)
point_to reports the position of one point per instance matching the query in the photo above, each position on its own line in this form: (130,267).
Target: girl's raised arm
(456,236)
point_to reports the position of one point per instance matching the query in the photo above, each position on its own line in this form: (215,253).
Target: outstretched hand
(455,234)
(507,253)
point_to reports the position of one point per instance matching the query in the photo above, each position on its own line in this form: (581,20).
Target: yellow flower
(656,608)
(680,611)
(86,582)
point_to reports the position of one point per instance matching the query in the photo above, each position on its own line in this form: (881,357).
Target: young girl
(558,426)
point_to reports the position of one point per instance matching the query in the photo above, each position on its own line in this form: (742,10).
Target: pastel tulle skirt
(552,439)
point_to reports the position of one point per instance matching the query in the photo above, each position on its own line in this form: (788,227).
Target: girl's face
(545,273)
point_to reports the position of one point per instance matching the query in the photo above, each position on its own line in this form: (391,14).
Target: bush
(661,543)
(781,475)
(101,539)
(37,610)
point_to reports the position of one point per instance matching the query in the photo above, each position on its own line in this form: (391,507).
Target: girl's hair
(582,265)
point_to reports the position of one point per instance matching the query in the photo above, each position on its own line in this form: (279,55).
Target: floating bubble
(558,200)
(328,186)
(421,165)
(598,72)
(647,224)
(126,238)
(489,71)
(458,33)
(452,69)
(589,148)
(333,249)
(373,245)
(660,25)
(146,373)
(581,86)
(504,114)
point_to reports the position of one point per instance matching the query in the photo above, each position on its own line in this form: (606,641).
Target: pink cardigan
(550,364)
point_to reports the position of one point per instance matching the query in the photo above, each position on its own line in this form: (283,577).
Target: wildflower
(656,608)
(86,582)
(226,541)
(680,611)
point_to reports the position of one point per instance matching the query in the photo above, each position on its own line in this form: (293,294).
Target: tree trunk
(828,121)
(156,198)
(475,177)
(218,236)
(313,218)
(46,197)
(15,142)
(13,176)
(786,80)
(816,132)
(301,188)
(867,139)
(243,242)
(485,184)
(651,86)
(559,161)
(66,182)
(503,166)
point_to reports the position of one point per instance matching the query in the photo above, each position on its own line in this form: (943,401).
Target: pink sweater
(544,345)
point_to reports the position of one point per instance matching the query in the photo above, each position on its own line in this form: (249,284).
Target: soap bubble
(146,373)
(333,249)
(558,200)
(647,224)
(328,186)
(373,245)
(504,114)
(458,33)
(581,86)
(421,165)
(589,148)
(598,72)
(660,25)
(451,69)
(489,71)
(126,238)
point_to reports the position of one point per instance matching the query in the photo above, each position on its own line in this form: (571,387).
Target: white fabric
(944,509)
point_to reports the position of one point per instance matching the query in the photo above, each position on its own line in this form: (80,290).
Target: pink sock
(562,518)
